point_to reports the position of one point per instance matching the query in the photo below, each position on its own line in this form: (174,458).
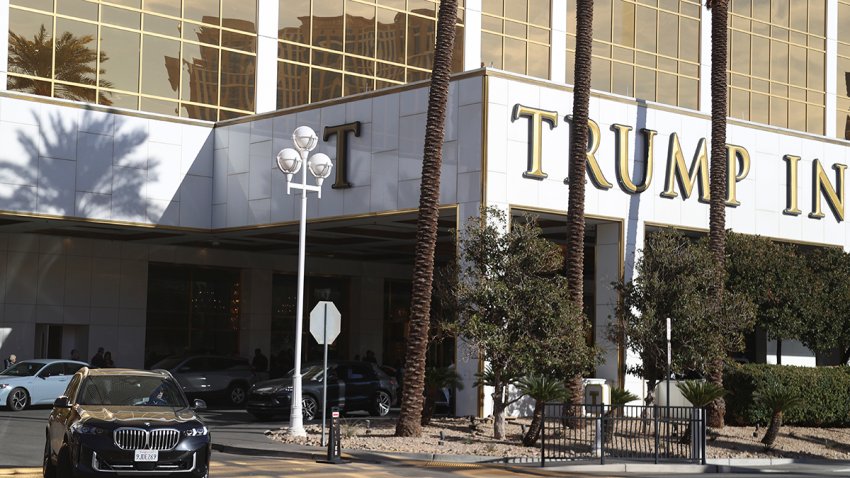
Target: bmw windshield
(130,391)
(23,369)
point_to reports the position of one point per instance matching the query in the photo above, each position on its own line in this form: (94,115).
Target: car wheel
(18,399)
(48,469)
(236,394)
(382,403)
(309,407)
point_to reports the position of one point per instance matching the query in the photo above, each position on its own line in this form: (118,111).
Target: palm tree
(717,178)
(700,394)
(577,168)
(436,379)
(779,400)
(410,418)
(75,63)
(619,398)
(542,389)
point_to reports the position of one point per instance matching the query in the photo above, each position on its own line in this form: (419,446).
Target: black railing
(623,433)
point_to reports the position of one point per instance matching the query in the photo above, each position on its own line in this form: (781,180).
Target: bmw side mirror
(62,402)
(199,404)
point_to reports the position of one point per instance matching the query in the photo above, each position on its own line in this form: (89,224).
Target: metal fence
(623,433)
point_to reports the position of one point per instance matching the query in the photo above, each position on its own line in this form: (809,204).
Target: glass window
(515,35)
(138,54)
(53,370)
(342,39)
(777,53)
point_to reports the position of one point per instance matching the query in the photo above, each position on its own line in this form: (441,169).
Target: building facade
(141,209)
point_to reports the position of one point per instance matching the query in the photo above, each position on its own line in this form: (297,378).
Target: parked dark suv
(120,421)
(352,386)
(211,376)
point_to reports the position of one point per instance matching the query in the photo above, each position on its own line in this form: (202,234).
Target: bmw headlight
(287,388)
(197,432)
(84,429)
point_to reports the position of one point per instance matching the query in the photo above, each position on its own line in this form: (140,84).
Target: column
(256,314)
(705,62)
(831,112)
(4,42)
(558,51)
(266,93)
(472,35)
(607,260)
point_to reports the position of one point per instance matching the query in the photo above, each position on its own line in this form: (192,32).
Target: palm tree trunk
(536,425)
(577,172)
(409,420)
(717,178)
(773,429)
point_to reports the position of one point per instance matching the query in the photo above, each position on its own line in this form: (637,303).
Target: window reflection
(646,49)
(515,35)
(843,71)
(777,53)
(149,53)
(342,40)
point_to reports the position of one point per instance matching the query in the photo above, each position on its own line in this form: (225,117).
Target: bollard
(334,441)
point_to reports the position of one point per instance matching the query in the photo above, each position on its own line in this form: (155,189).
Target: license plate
(147,455)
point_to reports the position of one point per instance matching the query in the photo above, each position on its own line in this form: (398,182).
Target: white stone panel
(411,146)
(385,121)
(128,194)
(238,159)
(58,132)
(197,151)
(56,184)
(165,132)
(470,138)
(237,200)
(262,130)
(470,91)
(356,200)
(94,163)
(259,211)
(384,186)
(94,206)
(106,279)
(408,194)
(219,193)
(78,281)
(165,213)
(23,267)
(130,141)
(195,205)
(260,175)
(414,102)
(164,172)
(19,111)
(97,122)
(19,155)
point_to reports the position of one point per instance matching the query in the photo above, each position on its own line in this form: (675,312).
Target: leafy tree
(410,418)
(542,389)
(827,323)
(75,62)
(674,277)
(770,274)
(717,176)
(513,306)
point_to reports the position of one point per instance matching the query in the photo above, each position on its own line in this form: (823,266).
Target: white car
(36,382)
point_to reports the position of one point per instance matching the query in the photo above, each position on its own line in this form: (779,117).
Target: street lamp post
(290,161)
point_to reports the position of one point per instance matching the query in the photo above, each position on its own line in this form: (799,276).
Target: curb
(312,453)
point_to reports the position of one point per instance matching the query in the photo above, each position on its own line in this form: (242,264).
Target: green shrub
(825,393)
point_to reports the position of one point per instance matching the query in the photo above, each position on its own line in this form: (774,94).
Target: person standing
(260,364)
(12,360)
(97,361)
(75,355)
(107,360)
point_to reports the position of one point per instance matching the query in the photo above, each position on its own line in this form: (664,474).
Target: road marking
(843,470)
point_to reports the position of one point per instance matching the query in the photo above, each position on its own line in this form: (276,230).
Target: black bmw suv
(120,421)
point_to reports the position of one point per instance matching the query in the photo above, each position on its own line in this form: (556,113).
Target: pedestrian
(107,360)
(260,362)
(97,359)
(75,355)
(12,360)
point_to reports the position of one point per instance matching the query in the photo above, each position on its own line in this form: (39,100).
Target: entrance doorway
(56,341)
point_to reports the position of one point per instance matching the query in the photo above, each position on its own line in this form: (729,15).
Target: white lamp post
(289,161)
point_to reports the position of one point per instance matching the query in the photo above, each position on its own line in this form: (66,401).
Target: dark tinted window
(71,368)
(23,369)
(224,363)
(193,365)
(361,371)
(53,370)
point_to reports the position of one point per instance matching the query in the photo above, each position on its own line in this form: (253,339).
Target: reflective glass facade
(777,52)
(647,49)
(193,58)
(842,129)
(516,35)
(333,48)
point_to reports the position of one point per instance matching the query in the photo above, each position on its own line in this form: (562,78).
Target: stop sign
(325,312)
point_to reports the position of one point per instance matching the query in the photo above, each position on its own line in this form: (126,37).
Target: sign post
(324,327)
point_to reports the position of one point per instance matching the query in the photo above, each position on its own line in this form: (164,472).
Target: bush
(825,392)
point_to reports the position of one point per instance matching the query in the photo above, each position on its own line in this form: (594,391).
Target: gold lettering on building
(822,187)
(791,208)
(536,117)
(678,170)
(341,131)
(594,138)
(621,149)
(734,155)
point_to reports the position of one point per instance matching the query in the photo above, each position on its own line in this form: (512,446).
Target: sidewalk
(254,443)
